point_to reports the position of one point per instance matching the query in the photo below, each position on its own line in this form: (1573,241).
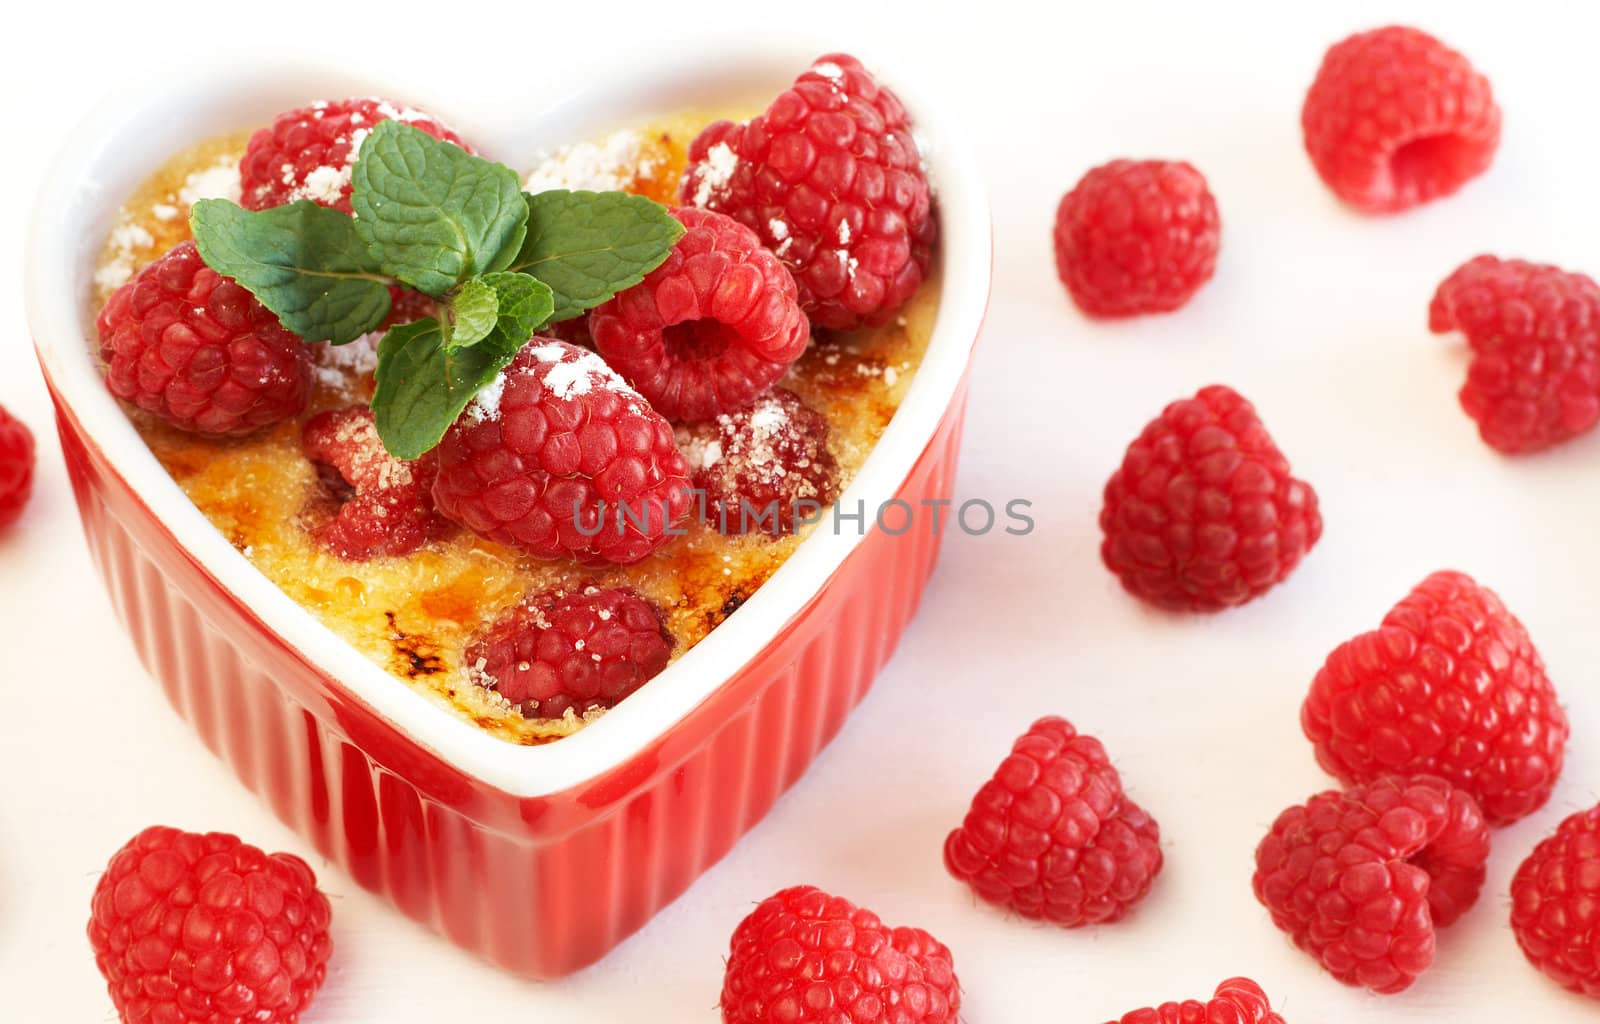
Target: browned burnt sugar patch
(416,657)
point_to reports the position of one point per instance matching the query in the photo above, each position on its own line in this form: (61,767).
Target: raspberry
(562,459)
(804,957)
(16,467)
(205,928)
(194,348)
(1052,836)
(1534,332)
(384,507)
(1554,910)
(1203,513)
(1449,685)
(581,652)
(1396,118)
(709,329)
(1361,879)
(764,467)
(831,180)
(1238,1001)
(1137,236)
(307,152)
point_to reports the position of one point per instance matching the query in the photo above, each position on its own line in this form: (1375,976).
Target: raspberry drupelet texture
(1204,514)
(1237,1001)
(1534,334)
(205,928)
(804,957)
(1052,836)
(384,505)
(17,457)
(562,459)
(580,652)
(195,348)
(831,179)
(1361,879)
(1450,685)
(306,153)
(1396,118)
(1555,904)
(1137,236)
(708,330)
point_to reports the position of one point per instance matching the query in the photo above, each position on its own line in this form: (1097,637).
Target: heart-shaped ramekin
(539,858)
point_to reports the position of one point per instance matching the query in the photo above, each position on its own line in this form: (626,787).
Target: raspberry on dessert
(1449,685)
(1555,904)
(709,329)
(190,927)
(16,467)
(196,349)
(1137,236)
(558,652)
(384,505)
(306,153)
(805,957)
(560,458)
(1396,118)
(831,179)
(1534,332)
(1361,879)
(763,468)
(1203,514)
(1237,1001)
(1051,835)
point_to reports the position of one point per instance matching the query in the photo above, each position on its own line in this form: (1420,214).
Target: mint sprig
(430,216)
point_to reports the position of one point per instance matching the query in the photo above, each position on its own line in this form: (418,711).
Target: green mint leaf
(423,385)
(587,246)
(433,214)
(473,314)
(524,305)
(304,262)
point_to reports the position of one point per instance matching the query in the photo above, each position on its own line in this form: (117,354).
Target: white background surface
(1316,314)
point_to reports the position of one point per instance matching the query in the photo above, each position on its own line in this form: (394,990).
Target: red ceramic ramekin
(539,858)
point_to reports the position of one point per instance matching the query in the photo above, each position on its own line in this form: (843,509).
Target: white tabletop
(1316,314)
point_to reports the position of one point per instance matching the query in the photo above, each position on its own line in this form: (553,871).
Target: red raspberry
(384,505)
(1534,331)
(1555,904)
(831,180)
(804,957)
(582,651)
(1203,513)
(205,928)
(1361,879)
(16,467)
(1238,1001)
(1052,836)
(193,347)
(764,467)
(709,329)
(1137,236)
(307,153)
(1449,685)
(1396,118)
(562,459)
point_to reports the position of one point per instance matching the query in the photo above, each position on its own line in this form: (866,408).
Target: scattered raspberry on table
(1237,1001)
(1555,904)
(17,458)
(382,505)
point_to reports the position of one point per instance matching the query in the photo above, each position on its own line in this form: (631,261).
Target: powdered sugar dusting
(126,241)
(339,366)
(715,173)
(219,181)
(828,69)
(605,166)
(485,405)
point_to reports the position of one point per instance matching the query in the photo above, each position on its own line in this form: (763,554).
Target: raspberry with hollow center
(16,467)
(306,153)
(1137,236)
(384,506)
(558,652)
(1449,685)
(195,348)
(1052,836)
(1396,118)
(190,927)
(805,957)
(1555,904)
(1534,332)
(831,180)
(1361,879)
(708,330)
(1237,1001)
(1204,514)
